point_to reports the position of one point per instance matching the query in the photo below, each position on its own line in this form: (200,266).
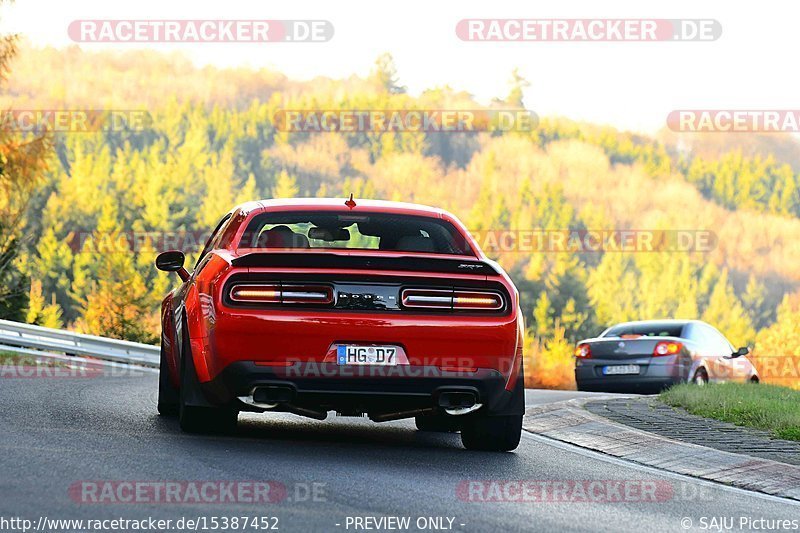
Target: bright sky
(630,85)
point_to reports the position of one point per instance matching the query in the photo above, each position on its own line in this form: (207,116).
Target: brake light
(282,294)
(583,351)
(457,300)
(667,348)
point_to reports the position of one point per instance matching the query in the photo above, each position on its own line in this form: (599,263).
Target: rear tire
(200,419)
(168,396)
(700,378)
(492,433)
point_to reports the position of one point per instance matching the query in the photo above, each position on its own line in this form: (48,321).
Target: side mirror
(741,351)
(172,261)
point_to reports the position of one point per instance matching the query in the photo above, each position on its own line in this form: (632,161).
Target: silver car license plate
(619,370)
(366,355)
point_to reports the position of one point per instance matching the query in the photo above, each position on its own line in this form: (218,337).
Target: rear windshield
(645,330)
(367,231)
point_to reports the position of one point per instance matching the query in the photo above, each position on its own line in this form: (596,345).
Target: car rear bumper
(626,384)
(365,389)
(654,376)
(432,339)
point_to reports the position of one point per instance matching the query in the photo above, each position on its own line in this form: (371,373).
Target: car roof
(338,204)
(667,321)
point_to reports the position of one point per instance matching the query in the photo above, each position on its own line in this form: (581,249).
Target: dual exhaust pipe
(272,396)
(454,402)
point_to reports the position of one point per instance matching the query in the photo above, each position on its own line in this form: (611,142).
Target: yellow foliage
(549,364)
(777,350)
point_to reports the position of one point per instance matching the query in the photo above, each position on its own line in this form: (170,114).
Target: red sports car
(306,306)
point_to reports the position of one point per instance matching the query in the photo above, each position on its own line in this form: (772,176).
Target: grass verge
(13,357)
(18,359)
(768,407)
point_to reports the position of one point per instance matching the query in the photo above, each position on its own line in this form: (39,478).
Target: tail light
(667,348)
(282,294)
(456,300)
(427,299)
(584,351)
(486,301)
(256,293)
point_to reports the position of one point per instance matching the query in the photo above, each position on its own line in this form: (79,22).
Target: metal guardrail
(17,334)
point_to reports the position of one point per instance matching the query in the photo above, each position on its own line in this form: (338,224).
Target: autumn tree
(517,85)
(23,159)
(726,312)
(40,312)
(777,348)
(285,186)
(384,74)
(113,296)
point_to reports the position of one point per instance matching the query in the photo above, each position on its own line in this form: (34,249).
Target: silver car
(651,355)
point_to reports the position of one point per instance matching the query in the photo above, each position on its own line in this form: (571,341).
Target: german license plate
(366,355)
(617,370)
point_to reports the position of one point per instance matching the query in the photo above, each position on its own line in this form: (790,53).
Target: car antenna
(350,203)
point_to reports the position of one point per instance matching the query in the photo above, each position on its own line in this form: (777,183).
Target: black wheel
(168,396)
(700,378)
(442,423)
(497,433)
(195,418)
(492,433)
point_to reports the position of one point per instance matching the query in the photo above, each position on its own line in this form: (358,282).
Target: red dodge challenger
(306,306)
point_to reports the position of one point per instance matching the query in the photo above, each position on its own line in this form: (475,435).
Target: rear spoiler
(364,262)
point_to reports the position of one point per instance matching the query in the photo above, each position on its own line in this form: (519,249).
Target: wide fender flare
(198,334)
(169,340)
(516,371)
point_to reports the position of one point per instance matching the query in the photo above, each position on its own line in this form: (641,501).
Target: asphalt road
(97,432)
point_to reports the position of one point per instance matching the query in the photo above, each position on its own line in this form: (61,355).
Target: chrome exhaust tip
(248,400)
(458,411)
(279,398)
(268,396)
(458,402)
